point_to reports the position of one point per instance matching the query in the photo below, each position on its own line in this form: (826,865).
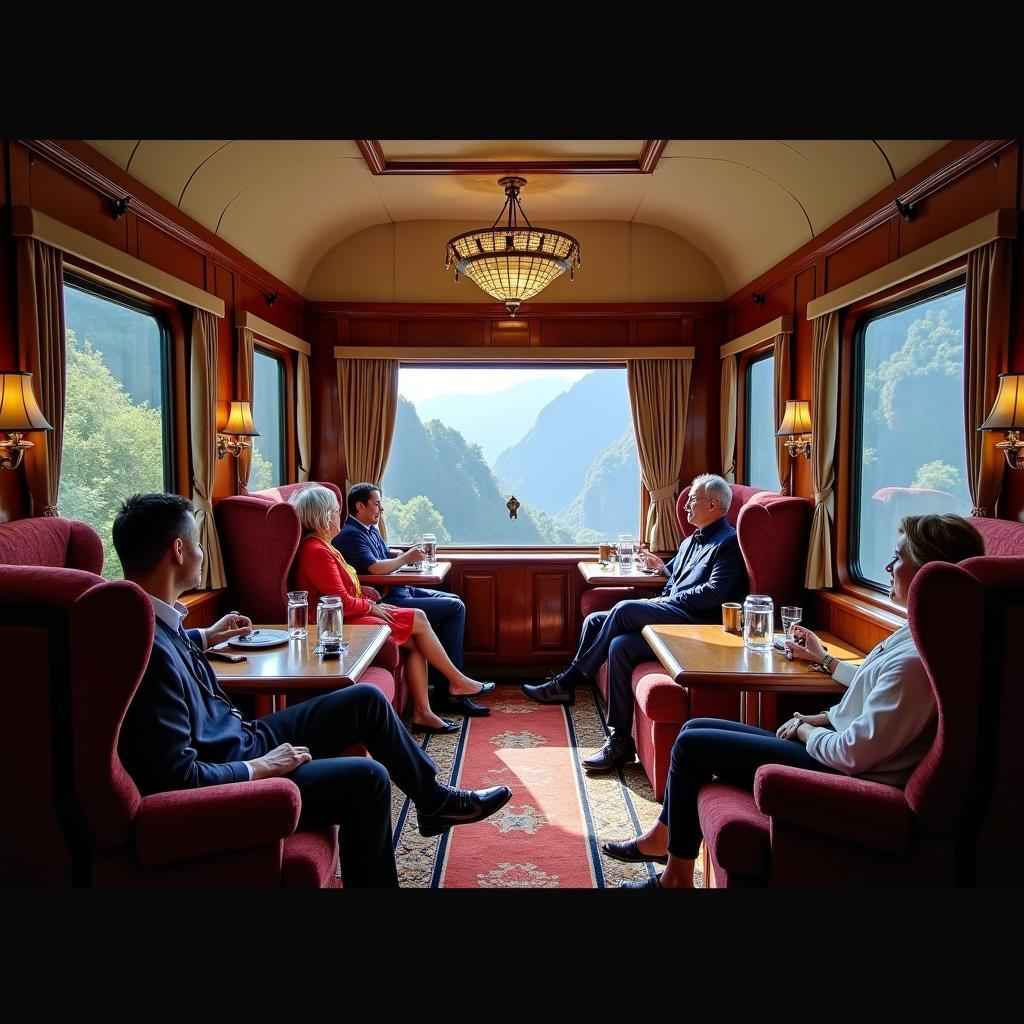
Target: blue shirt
(362,546)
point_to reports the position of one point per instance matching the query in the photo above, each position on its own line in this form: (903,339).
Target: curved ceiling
(746,204)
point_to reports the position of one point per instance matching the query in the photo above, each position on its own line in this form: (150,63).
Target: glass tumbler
(429,545)
(758,622)
(791,616)
(329,621)
(625,552)
(298,613)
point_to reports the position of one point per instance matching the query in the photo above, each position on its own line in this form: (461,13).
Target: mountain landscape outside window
(559,438)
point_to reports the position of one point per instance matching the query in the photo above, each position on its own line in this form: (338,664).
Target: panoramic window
(560,439)
(269,465)
(117,430)
(909,453)
(759,445)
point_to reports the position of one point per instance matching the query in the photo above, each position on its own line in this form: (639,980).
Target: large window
(909,455)
(560,439)
(117,430)
(759,444)
(269,462)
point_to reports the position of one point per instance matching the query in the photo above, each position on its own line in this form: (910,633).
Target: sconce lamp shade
(18,407)
(240,421)
(796,420)
(1008,410)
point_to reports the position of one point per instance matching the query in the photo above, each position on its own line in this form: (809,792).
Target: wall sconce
(239,425)
(19,412)
(1008,414)
(796,428)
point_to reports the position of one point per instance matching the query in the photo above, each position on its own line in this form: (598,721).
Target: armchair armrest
(184,824)
(851,810)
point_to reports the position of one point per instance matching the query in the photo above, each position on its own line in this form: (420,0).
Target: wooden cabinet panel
(551,611)
(479,590)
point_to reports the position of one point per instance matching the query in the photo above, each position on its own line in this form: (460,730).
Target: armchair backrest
(259,535)
(965,620)
(52,541)
(773,532)
(76,647)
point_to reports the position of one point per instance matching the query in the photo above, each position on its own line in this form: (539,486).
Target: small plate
(260,638)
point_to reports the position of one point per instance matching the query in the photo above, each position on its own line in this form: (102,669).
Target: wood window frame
(109,285)
(286,357)
(743,360)
(852,320)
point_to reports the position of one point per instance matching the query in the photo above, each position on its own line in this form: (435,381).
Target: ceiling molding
(378,163)
(513,354)
(527,311)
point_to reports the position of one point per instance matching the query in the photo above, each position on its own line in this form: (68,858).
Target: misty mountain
(548,467)
(607,501)
(496,420)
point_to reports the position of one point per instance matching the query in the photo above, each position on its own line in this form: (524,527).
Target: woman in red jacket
(320,569)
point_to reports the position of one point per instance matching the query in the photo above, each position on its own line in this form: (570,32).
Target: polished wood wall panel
(441,333)
(550,618)
(867,253)
(479,589)
(584,332)
(170,255)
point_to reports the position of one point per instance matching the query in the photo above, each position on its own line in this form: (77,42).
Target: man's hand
(282,760)
(225,628)
(413,554)
(654,562)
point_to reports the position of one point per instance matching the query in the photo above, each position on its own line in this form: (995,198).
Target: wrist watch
(828,663)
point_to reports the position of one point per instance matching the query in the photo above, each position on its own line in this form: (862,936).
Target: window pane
(559,439)
(762,469)
(116,433)
(268,461)
(912,456)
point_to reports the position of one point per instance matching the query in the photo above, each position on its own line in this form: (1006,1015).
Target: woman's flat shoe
(434,730)
(627,851)
(485,688)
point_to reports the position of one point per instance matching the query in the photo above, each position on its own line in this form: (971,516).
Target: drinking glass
(298,613)
(642,551)
(329,622)
(791,616)
(625,552)
(429,545)
(758,622)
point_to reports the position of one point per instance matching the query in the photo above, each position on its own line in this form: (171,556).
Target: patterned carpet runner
(549,834)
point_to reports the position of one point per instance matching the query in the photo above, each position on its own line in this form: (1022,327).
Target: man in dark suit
(181,729)
(367,552)
(707,570)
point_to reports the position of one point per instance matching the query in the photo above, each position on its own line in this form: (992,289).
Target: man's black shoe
(627,850)
(462,706)
(462,807)
(650,883)
(560,689)
(616,750)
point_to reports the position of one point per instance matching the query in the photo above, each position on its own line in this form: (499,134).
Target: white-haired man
(707,570)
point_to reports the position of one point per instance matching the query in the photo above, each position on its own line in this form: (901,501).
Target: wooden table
(597,575)
(292,667)
(407,578)
(712,658)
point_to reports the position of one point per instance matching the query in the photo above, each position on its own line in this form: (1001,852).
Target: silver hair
(715,487)
(315,505)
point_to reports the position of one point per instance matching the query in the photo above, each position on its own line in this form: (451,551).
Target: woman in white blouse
(880,729)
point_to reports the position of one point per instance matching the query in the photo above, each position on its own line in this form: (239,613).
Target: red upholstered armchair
(773,531)
(259,535)
(75,647)
(958,821)
(51,541)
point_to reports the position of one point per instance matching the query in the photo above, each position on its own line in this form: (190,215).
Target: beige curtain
(303,428)
(779,395)
(727,418)
(368,391)
(824,400)
(43,351)
(203,415)
(659,392)
(244,388)
(986,347)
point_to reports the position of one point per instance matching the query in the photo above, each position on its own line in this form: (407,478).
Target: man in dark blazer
(707,570)
(181,729)
(367,552)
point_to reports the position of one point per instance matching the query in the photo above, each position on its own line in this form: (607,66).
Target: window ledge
(889,616)
(201,598)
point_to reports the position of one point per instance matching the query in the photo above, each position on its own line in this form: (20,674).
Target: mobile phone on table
(225,656)
(779,645)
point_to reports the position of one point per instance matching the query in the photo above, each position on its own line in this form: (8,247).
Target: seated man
(707,570)
(367,552)
(181,730)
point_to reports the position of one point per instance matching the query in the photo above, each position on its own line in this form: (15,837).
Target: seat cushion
(310,859)
(735,830)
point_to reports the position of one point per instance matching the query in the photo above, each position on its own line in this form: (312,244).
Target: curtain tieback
(663,493)
(51,510)
(980,512)
(822,496)
(200,503)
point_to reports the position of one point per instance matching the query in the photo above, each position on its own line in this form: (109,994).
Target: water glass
(429,545)
(758,622)
(791,616)
(298,613)
(329,622)
(625,552)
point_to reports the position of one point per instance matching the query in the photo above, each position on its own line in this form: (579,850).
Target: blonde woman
(321,569)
